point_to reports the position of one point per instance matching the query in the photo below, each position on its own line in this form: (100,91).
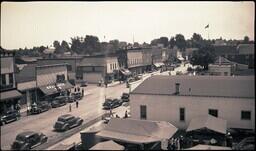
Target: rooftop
(246,48)
(137,131)
(206,86)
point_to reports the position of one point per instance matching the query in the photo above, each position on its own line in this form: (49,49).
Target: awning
(159,64)
(107,145)
(208,147)
(209,122)
(51,89)
(137,131)
(125,72)
(22,86)
(12,94)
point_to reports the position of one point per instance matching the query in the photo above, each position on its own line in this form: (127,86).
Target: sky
(28,24)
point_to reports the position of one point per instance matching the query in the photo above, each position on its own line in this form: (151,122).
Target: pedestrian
(126,115)
(70,109)
(75,89)
(78,89)
(76,103)
(82,91)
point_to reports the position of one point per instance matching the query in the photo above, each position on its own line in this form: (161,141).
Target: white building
(178,99)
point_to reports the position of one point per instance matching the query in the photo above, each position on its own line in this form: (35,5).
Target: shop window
(3,79)
(10,78)
(60,78)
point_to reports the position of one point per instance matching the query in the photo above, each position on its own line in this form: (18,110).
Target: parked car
(138,77)
(77,95)
(28,140)
(125,97)
(66,122)
(40,107)
(70,99)
(59,101)
(84,84)
(112,103)
(9,116)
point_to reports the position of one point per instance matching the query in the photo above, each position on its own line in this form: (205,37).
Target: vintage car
(83,84)
(66,122)
(40,107)
(9,116)
(28,140)
(59,101)
(112,103)
(125,97)
(77,95)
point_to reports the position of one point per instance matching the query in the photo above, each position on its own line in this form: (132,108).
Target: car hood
(17,144)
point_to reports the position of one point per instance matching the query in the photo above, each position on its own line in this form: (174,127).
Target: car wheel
(3,123)
(66,128)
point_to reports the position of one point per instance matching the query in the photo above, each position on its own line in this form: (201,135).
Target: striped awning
(12,94)
(52,89)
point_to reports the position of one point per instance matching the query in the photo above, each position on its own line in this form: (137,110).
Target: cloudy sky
(40,23)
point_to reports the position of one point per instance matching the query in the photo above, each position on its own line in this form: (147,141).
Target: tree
(115,45)
(57,46)
(197,40)
(64,46)
(172,42)
(180,42)
(203,57)
(154,42)
(76,45)
(164,41)
(246,40)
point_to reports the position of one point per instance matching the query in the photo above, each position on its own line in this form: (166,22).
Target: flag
(207,26)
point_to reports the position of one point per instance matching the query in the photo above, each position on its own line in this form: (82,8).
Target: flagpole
(208,31)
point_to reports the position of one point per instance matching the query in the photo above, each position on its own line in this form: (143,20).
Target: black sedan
(9,116)
(28,140)
(66,122)
(112,103)
(59,101)
(40,107)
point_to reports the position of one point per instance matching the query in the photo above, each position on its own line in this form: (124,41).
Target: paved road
(90,106)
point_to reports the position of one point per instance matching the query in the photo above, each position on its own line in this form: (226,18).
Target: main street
(89,107)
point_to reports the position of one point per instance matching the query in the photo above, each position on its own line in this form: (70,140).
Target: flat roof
(207,86)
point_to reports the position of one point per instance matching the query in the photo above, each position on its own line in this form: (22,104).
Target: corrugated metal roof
(208,86)
(209,122)
(137,131)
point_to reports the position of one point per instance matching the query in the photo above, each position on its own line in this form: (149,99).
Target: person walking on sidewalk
(76,103)
(70,109)
(82,92)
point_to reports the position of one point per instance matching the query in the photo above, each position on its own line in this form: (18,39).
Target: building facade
(9,94)
(178,99)
(135,61)
(95,68)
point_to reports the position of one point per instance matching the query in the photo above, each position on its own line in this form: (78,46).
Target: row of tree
(90,44)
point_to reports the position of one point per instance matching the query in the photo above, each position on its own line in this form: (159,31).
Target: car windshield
(61,119)
(20,138)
